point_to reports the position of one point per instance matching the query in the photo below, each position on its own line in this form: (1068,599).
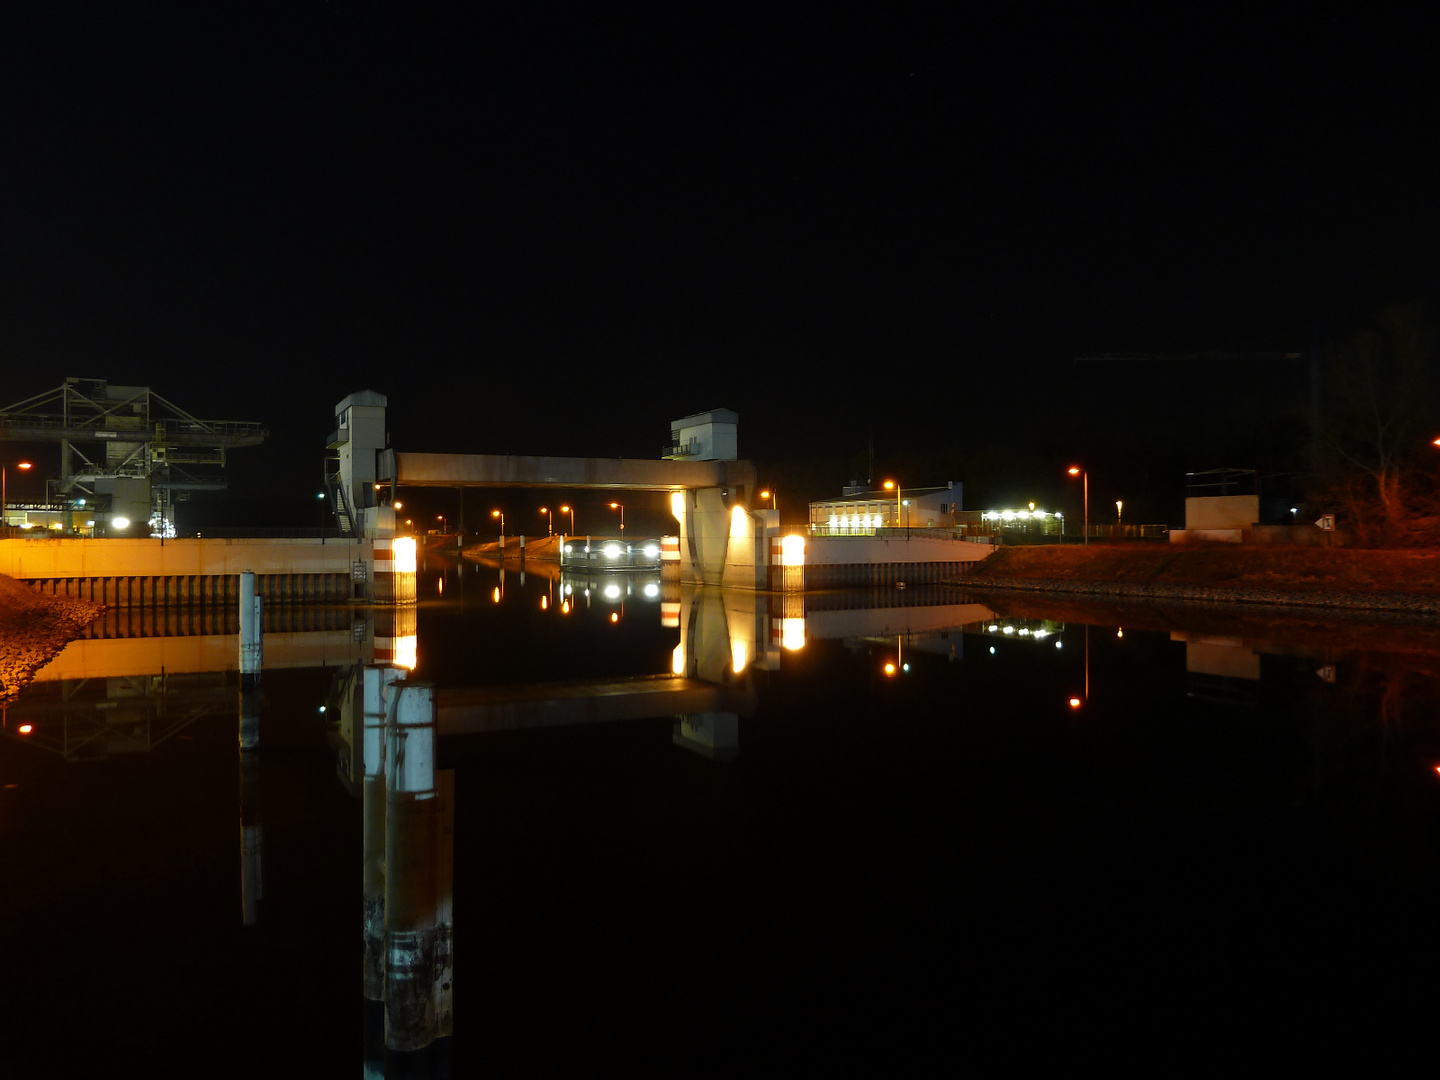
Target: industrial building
(858,512)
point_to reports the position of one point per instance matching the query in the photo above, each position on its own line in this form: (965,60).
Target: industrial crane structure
(127,455)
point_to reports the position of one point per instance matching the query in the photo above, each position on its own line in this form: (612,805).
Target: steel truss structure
(126,443)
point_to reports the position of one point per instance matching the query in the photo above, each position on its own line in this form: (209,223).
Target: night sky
(554,232)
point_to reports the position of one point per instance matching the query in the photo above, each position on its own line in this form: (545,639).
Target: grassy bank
(1414,572)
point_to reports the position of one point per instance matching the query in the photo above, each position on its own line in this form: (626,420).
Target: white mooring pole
(252,628)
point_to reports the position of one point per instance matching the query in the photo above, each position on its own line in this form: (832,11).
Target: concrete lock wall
(155,572)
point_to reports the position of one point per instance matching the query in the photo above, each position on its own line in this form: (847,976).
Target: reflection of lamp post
(1076,470)
(551,519)
(571,511)
(621,508)
(4,492)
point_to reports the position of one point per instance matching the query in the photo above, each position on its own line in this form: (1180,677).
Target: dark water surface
(1219,831)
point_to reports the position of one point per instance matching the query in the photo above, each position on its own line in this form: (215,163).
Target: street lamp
(1076,470)
(890,485)
(1119,509)
(501,516)
(4,493)
(441,519)
(571,511)
(621,508)
(774,497)
(551,519)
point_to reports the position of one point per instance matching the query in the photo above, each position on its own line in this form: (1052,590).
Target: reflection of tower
(376,694)
(408,862)
(719,636)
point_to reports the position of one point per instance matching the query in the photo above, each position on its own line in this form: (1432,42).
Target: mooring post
(417,931)
(252,627)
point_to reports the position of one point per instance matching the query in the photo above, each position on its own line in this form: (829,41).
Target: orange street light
(1076,470)
(571,511)
(501,516)
(4,496)
(774,497)
(551,519)
(621,508)
(890,485)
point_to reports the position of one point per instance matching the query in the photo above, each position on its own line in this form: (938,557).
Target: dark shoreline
(1402,603)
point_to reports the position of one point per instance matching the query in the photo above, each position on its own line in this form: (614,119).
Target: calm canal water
(1049,815)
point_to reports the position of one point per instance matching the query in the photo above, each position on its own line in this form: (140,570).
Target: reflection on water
(580,793)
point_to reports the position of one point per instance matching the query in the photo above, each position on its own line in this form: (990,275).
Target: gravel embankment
(33,630)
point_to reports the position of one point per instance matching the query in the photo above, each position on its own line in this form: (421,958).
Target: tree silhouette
(1380,390)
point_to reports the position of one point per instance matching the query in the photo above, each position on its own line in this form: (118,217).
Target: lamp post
(1076,470)
(4,490)
(890,485)
(550,519)
(441,518)
(621,508)
(1119,510)
(774,497)
(501,516)
(571,511)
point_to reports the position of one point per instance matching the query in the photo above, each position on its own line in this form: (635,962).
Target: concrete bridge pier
(722,541)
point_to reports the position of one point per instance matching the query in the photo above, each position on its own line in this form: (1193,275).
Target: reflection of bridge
(481,710)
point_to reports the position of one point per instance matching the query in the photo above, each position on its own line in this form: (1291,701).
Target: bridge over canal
(723,540)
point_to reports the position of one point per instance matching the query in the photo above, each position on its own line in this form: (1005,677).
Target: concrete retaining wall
(128,572)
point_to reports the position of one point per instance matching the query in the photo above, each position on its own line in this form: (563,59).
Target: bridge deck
(504,470)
